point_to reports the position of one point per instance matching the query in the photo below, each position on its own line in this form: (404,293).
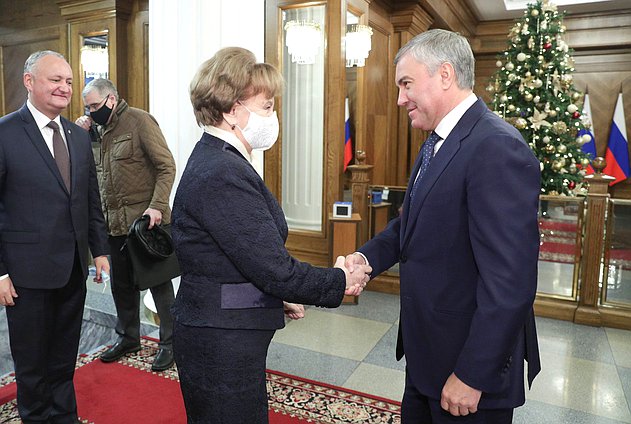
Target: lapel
(35,136)
(72,154)
(439,163)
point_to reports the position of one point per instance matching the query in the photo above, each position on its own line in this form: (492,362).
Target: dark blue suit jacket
(41,223)
(468,245)
(229,234)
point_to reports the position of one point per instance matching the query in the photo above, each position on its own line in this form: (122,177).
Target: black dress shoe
(163,360)
(119,350)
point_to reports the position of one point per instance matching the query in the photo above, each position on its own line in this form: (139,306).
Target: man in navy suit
(50,215)
(467,243)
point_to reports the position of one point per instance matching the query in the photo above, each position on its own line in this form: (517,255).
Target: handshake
(357,273)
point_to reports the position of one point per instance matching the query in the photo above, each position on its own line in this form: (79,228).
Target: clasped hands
(356,271)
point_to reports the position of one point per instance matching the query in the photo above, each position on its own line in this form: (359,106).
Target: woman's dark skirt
(222,374)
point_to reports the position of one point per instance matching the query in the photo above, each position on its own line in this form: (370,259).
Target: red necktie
(61,154)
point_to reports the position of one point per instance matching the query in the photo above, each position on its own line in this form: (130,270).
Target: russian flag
(617,156)
(590,146)
(348,144)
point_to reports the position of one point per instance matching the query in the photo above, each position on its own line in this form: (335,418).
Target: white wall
(182,35)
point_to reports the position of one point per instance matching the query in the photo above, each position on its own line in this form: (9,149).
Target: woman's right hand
(356,280)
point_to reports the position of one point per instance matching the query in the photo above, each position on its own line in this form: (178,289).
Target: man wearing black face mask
(136,176)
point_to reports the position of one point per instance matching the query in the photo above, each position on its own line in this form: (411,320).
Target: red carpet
(128,391)
(559,244)
(558,241)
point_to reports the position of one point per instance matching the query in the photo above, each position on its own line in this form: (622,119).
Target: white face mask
(261,132)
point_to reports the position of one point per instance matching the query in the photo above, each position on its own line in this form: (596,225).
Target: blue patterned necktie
(427,152)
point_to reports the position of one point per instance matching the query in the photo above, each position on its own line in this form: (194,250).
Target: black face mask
(102,115)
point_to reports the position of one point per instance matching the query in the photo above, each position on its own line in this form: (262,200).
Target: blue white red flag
(617,155)
(590,146)
(348,144)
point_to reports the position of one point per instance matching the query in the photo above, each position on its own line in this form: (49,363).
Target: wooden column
(343,240)
(593,244)
(408,19)
(360,182)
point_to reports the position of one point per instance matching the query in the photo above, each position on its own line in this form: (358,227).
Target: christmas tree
(533,90)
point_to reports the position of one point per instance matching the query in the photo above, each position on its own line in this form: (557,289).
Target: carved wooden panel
(15,48)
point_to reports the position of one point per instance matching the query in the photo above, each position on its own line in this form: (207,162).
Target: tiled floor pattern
(586,376)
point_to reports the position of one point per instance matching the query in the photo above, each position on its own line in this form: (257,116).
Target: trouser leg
(163,297)
(126,295)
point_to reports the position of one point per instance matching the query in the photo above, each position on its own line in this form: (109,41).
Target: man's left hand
(155,217)
(459,399)
(102,265)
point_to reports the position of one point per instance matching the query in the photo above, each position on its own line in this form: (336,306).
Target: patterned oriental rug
(127,391)
(559,244)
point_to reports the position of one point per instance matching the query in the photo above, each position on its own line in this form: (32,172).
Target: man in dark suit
(50,215)
(467,243)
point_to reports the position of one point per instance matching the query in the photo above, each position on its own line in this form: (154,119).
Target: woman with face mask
(229,234)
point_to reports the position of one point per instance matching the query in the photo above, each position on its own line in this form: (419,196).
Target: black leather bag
(150,253)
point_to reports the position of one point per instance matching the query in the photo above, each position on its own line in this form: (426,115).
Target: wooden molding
(584,31)
(454,15)
(79,10)
(411,18)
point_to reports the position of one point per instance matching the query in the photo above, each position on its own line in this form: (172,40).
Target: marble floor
(586,376)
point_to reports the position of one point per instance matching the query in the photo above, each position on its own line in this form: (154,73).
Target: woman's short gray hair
(437,46)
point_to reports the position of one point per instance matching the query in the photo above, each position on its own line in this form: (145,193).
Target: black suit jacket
(41,223)
(468,247)
(229,234)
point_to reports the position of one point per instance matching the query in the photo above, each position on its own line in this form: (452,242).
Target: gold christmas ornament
(561,148)
(550,148)
(521,57)
(509,66)
(559,127)
(521,123)
(528,97)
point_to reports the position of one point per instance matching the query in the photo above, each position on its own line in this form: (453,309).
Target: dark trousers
(44,329)
(222,374)
(127,298)
(417,408)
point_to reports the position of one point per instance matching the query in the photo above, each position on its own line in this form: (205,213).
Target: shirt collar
(447,124)
(229,138)
(40,119)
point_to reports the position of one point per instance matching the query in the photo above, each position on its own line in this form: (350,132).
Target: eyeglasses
(95,106)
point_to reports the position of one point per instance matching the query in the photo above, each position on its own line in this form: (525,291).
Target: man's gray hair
(30,66)
(437,46)
(102,86)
